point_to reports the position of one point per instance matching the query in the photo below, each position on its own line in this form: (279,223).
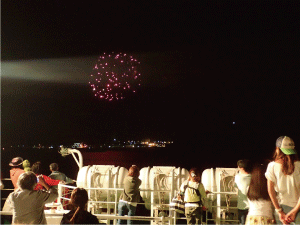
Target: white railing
(111,203)
(219,211)
(58,215)
(55,214)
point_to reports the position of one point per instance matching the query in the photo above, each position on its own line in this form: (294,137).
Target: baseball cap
(286,145)
(16,161)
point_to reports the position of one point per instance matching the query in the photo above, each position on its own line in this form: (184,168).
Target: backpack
(195,190)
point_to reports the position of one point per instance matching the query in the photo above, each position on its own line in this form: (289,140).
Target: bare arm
(49,196)
(272,194)
(43,183)
(290,217)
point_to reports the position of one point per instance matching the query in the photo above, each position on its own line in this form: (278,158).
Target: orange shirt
(14,175)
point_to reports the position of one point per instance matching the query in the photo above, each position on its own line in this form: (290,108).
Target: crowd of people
(32,190)
(268,193)
(20,166)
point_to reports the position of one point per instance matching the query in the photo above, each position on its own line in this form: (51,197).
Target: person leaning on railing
(130,196)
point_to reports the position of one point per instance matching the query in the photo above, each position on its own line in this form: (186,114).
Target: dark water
(185,156)
(203,156)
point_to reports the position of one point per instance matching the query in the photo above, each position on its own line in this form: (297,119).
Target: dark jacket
(131,192)
(82,217)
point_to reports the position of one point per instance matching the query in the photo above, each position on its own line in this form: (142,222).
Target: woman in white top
(260,205)
(283,176)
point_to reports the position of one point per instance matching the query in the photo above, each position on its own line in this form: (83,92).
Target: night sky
(216,75)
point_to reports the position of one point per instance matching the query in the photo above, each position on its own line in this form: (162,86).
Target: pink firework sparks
(114,76)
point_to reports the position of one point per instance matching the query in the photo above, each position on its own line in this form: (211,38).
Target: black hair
(258,187)
(54,166)
(27,181)
(245,164)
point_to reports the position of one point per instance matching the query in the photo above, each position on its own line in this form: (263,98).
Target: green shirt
(131,192)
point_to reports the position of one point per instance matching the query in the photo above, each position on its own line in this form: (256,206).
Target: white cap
(286,145)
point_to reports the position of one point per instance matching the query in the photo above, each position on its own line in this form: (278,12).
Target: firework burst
(115,76)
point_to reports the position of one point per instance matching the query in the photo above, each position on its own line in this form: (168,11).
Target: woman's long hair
(258,188)
(79,198)
(288,161)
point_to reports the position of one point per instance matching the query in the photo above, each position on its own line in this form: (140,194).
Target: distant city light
(145,143)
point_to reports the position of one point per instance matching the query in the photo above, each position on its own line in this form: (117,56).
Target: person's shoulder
(274,164)
(132,179)
(47,178)
(248,175)
(51,175)
(92,215)
(185,182)
(136,178)
(271,164)
(69,214)
(12,194)
(297,163)
(92,218)
(194,184)
(201,185)
(66,217)
(19,193)
(19,171)
(297,166)
(237,177)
